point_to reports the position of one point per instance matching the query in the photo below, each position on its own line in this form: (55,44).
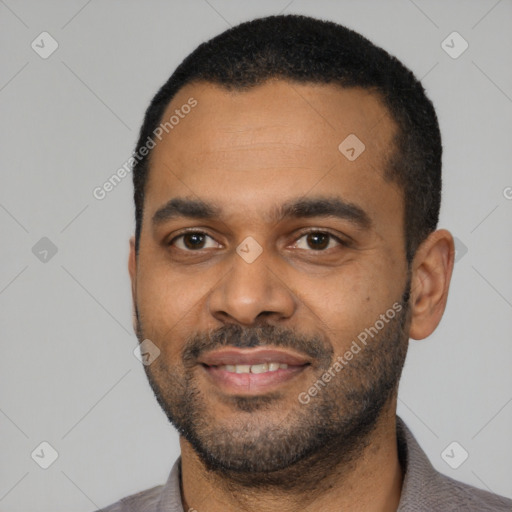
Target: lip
(251,356)
(250,383)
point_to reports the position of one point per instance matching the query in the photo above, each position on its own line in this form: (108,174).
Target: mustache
(314,347)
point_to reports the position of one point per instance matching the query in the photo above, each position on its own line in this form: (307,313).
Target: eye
(197,240)
(318,240)
(193,240)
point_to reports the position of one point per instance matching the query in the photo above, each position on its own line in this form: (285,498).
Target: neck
(328,481)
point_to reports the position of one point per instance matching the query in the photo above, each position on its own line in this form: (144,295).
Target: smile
(251,379)
(252,368)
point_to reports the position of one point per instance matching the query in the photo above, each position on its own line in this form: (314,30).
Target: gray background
(68,373)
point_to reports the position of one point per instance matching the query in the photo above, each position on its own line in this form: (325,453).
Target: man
(287,190)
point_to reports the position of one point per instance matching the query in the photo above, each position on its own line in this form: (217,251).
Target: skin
(249,152)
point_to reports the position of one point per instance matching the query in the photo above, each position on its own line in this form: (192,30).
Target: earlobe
(431,275)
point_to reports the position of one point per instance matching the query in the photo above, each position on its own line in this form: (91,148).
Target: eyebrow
(293,209)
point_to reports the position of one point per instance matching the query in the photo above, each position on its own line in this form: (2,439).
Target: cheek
(345,308)
(163,303)
(347,304)
(170,304)
(156,295)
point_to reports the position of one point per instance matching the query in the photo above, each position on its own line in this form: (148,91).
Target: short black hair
(308,50)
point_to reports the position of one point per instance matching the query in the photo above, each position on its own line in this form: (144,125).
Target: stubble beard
(261,448)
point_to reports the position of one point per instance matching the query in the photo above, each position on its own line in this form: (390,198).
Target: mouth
(252,371)
(251,368)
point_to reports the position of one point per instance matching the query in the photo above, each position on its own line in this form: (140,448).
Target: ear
(132,269)
(431,274)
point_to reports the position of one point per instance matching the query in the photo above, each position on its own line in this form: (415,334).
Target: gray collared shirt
(423,490)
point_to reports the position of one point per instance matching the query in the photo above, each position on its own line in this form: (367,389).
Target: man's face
(254,272)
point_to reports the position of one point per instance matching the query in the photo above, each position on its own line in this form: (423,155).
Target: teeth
(254,368)
(259,368)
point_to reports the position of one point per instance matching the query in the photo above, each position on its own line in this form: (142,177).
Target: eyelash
(193,231)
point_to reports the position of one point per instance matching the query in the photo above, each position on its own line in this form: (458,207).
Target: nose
(251,291)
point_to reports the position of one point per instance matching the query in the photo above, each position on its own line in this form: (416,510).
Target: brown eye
(194,240)
(318,240)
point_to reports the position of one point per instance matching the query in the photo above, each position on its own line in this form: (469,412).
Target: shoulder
(425,489)
(143,501)
(455,495)
(161,497)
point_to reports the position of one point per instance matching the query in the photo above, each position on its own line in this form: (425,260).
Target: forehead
(300,116)
(271,143)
